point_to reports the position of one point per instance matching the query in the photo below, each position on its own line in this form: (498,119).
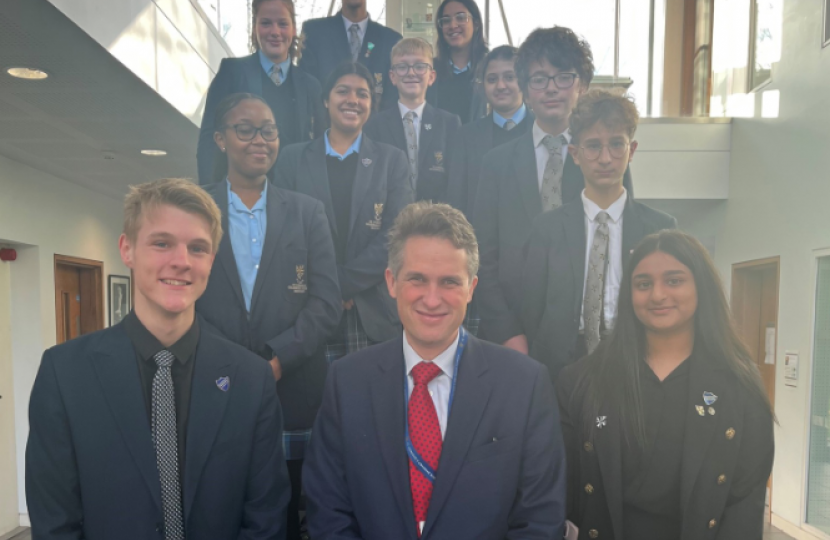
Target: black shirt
(146,346)
(341,180)
(283,103)
(455,93)
(651,476)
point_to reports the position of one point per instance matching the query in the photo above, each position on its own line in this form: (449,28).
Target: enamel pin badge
(601,421)
(709,398)
(223,383)
(700,410)
(366,162)
(427,127)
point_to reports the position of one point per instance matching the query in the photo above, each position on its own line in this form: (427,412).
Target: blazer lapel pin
(709,398)
(601,421)
(223,383)
(427,127)
(369,48)
(366,162)
(700,410)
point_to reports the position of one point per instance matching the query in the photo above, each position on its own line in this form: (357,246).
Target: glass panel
(634,48)
(767,45)
(235,25)
(818,488)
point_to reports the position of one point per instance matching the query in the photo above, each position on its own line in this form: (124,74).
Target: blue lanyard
(428,472)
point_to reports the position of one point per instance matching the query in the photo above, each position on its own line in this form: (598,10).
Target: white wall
(42,215)
(778,195)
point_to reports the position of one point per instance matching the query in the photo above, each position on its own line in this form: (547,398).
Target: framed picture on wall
(120,298)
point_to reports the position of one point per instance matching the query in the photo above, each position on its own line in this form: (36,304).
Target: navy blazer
(727,458)
(381,190)
(554,277)
(506,204)
(473,142)
(502,469)
(326,45)
(90,463)
(245,75)
(438,130)
(295,305)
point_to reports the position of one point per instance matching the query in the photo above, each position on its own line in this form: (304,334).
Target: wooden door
(78,297)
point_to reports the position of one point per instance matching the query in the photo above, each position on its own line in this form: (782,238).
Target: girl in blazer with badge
(668,429)
(363,185)
(292,94)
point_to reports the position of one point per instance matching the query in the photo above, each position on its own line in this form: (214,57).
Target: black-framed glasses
(616,149)
(562,81)
(493,78)
(247,132)
(460,19)
(420,68)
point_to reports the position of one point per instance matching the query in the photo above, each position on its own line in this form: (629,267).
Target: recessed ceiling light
(27,73)
(154,152)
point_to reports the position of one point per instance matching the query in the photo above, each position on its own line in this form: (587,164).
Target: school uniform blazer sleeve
(219,89)
(321,314)
(535,282)
(309,61)
(53,489)
(317,109)
(569,421)
(458,184)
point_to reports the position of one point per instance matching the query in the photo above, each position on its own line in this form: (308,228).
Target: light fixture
(27,73)
(154,153)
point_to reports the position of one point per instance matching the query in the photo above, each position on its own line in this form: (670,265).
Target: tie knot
(602,218)
(164,358)
(553,144)
(354,29)
(424,372)
(410,116)
(510,124)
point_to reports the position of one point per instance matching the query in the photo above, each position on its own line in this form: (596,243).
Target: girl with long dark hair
(668,429)
(461,48)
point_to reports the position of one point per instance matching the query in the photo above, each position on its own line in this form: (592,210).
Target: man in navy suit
(156,428)
(435,434)
(350,35)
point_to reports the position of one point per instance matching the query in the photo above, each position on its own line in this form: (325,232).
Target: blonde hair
(613,108)
(412,46)
(177,192)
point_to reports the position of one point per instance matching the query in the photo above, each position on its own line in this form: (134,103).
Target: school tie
(595,283)
(165,441)
(551,191)
(411,146)
(276,75)
(425,434)
(354,41)
(510,124)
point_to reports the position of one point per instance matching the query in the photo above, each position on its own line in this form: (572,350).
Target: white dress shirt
(362,30)
(613,275)
(439,387)
(416,122)
(542,154)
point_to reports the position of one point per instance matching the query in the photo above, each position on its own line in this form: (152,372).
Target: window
(765,48)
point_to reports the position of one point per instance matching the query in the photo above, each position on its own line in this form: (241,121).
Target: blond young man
(423,132)
(155,427)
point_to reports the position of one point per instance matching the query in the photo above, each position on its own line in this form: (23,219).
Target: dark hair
(612,372)
(478,47)
(503,52)
(294,50)
(561,47)
(614,108)
(223,108)
(349,68)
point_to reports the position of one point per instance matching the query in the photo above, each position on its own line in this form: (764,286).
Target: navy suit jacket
(245,75)
(326,45)
(438,130)
(381,182)
(507,202)
(502,467)
(554,277)
(288,321)
(90,464)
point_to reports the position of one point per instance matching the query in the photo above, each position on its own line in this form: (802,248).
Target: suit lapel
(472,393)
(253,74)
(607,445)
(115,366)
(573,182)
(301,95)
(484,136)
(207,408)
(633,230)
(314,157)
(575,238)
(341,38)
(527,175)
(366,161)
(396,130)
(275,207)
(388,406)
(225,255)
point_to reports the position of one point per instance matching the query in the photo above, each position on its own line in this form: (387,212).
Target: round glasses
(247,132)
(562,81)
(460,19)
(421,68)
(592,150)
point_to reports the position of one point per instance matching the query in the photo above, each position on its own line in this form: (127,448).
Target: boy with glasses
(422,131)
(577,251)
(529,175)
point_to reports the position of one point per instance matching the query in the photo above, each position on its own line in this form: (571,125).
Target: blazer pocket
(294,265)
(493,448)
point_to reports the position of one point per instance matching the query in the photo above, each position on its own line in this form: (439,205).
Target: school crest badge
(299,287)
(376,222)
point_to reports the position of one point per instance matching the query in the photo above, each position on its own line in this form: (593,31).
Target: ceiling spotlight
(27,73)
(154,153)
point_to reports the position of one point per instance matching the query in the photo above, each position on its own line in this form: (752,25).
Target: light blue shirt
(460,70)
(353,149)
(517,117)
(270,66)
(247,231)
(441,386)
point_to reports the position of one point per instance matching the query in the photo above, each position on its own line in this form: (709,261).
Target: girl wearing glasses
(363,185)
(274,287)
(292,94)
(461,48)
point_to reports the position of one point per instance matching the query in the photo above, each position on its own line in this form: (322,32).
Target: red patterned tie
(425,434)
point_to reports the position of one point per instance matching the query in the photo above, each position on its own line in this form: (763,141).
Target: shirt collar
(457,70)
(539,134)
(353,149)
(147,345)
(615,211)
(268,66)
(445,360)
(419,110)
(362,24)
(236,203)
(517,117)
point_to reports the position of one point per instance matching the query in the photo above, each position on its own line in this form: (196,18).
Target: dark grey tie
(551,190)
(411,146)
(510,124)
(165,441)
(276,75)
(354,41)
(592,306)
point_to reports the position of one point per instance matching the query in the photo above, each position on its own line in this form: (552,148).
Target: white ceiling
(91,106)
